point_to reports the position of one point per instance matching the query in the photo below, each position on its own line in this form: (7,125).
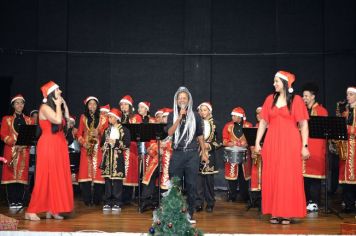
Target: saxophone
(341,145)
(14,156)
(92,140)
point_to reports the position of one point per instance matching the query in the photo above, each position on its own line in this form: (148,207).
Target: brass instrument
(255,156)
(16,150)
(341,145)
(14,156)
(105,148)
(92,141)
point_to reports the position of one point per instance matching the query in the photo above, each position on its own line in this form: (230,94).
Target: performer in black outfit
(205,186)
(115,141)
(186,128)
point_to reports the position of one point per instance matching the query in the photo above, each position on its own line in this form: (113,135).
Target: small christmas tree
(171,218)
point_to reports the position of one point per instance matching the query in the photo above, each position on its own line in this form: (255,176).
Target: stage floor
(228,217)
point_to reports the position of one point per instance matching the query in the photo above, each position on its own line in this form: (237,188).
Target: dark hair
(96,113)
(51,104)
(289,96)
(131,110)
(311,87)
(12,108)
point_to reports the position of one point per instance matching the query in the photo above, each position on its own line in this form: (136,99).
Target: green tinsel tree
(171,217)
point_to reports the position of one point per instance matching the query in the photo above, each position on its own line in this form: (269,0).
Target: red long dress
(53,186)
(282,179)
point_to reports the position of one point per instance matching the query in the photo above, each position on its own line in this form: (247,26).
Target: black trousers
(349,195)
(150,191)
(15,193)
(90,196)
(127,193)
(186,164)
(243,186)
(312,188)
(113,192)
(205,190)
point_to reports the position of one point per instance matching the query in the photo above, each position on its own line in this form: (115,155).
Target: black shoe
(191,219)
(209,209)
(12,206)
(199,208)
(145,206)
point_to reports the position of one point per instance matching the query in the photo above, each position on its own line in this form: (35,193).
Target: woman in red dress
(284,148)
(53,191)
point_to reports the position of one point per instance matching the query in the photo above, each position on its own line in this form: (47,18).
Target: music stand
(26,137)
(324,127)
(250,135)
(146,132)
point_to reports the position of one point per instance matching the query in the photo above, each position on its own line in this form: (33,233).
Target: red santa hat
(207,104)
(160,111)
(351,89)
(127,99)
(72,118)
(48,88)
(166,111)
(105,108)
(116,113)
(90,98)
(258,109)
(18,96)
(238,111)
(289,77)
(145,104)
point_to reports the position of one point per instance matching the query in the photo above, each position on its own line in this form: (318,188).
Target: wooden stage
(228,217)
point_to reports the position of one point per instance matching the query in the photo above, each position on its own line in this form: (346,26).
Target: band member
(314,167)
(89,135)
(284,147)
(104,110)
(256,170)
(15,172)
(158,116)
(131,155)
(150,176)
(71,132)
(186,127)
(144,112)
(53,191)
(115,141)
(34,116)
(73,148)
(235,172)
(205,185)
(347,171)
(104,120)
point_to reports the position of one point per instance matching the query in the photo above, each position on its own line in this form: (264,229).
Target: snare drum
(235,154)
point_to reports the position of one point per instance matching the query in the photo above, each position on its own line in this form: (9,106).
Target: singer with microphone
(186,127)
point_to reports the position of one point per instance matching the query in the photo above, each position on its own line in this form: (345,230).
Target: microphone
(184,116)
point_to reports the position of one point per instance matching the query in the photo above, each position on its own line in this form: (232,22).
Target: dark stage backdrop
(224,51)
